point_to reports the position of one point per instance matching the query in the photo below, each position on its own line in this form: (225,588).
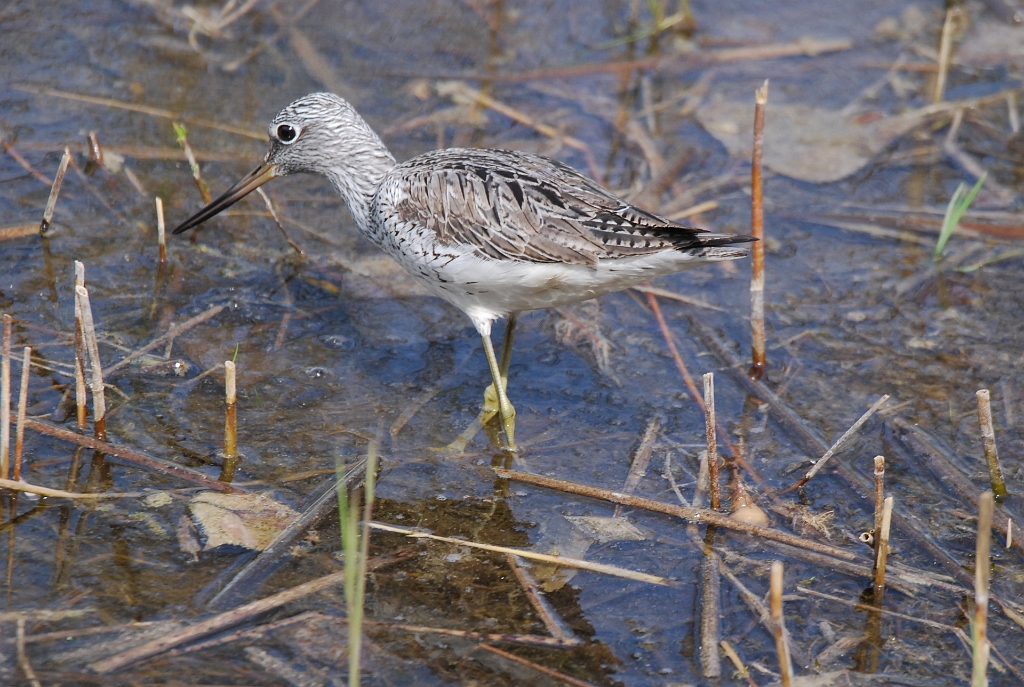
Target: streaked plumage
(493,232)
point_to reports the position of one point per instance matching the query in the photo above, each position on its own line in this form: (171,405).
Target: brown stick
(839,444)
(51,202)
(988,440)
(131,455)
(696,515)
(712,444)
(779,625)
(879,504)
(80,388)
(22,402)
(758,361)
(5,398)
(981,592)
(99,401)
(555,626)
(945,49)
(161,230)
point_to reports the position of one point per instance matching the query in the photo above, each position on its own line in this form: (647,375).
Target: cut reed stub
(231,456)
(95,160)
(5,397)
(879,503)
(711,439)
(22,403)
(161,231)
(988,441)
(99,401)
(758,352)
(80,387)
(979,627)
(779,625)
(51,202)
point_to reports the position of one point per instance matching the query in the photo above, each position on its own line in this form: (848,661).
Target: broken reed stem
(988,440)
(945,49)
(51,202)
(5,398)
(277,220)
(80,392)
(779,625)
(758,355)
(879,503)
(22,402)
(161,230)
(710,609)
(979,635)
(95,160)
(99,401)
(181,135)
(883,548)
(839,444)
(712,443)
(230,421)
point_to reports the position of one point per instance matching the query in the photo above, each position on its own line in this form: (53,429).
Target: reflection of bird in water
(492,232)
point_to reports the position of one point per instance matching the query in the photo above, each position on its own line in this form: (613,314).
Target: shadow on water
(656,103)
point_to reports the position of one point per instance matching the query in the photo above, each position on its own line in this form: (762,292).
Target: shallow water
(338,347)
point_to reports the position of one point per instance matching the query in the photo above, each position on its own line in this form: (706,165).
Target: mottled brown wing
(514,206)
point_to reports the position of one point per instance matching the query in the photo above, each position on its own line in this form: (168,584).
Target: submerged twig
(561,677)
(51,202)
(839,444)
(172,333)
(758,361)
(524,553)
(552,622)
(641,459)
(988,439)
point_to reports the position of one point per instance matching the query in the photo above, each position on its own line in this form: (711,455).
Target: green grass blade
(955,211)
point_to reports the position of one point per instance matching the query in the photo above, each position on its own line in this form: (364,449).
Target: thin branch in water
(642,458)
(838,444)
(277,221)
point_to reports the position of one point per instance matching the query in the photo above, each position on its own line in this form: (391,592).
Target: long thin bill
(247,185)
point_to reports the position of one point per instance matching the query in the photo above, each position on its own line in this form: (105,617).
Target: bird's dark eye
(286,133)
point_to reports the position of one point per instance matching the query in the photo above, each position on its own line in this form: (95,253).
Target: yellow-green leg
(499,377)
(490,395)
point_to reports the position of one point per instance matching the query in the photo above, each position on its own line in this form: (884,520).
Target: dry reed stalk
(277,221)
(979,638)
(695,515)
(51,202)
(879,503)
(839,444)
(741,670)
(779,625)
(712,443)
(132,455)
(99,400)
(204,190)
(22,402)
(945,49)
(5,398)
(710,609)
(988,439)
(759,360)
(80,389)
(161,230)
(883,548)
(227,472)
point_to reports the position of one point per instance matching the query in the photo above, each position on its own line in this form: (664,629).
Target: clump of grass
(958,205)
(355,543)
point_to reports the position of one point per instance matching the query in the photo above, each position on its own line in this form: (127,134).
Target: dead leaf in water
(247,520)
(810,143)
